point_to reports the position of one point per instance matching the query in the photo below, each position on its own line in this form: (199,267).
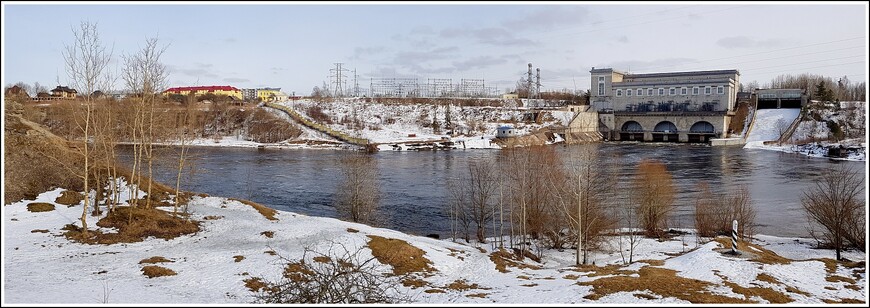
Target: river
(414,190)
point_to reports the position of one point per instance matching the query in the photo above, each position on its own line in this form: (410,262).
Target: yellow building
(64,92)
(510,96)
(271,94)
(216,90)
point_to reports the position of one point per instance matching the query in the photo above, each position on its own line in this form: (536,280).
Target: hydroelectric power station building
(679,106)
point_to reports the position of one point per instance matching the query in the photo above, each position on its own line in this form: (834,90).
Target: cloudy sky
(294,46)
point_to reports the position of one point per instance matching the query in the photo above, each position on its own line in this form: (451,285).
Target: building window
(628,92)
(649,92)
(661,91)
(639,92)
(601,85)
(708,90)
(684,91)
(618,92)
(721,90)
(695,91)
(672,91)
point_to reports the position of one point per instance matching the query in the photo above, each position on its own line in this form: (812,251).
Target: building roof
(670,74)
(681,74)
(203,88)
(64,89)
(16,90)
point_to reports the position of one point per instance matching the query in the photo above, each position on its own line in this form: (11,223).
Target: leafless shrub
(714,212)
(338,276)
(654,190)
(835,204)
(359,191)
(316,113)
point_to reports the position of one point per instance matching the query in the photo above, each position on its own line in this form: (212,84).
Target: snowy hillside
(381,123)
(769,125)
(813,135)
(236,243)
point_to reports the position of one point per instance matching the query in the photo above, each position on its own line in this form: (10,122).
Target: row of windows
(671,91)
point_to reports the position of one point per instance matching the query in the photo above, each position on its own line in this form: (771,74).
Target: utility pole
(538,89)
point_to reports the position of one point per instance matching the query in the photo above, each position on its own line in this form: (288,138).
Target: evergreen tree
(823,93)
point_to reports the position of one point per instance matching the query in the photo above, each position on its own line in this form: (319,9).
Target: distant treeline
(843,89)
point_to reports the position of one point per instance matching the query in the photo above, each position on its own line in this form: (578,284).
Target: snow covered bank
(395,125)
(769,125)
(813,135)
(237,243)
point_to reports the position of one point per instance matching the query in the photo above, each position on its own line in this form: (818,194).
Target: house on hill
(64,92)
(15,92)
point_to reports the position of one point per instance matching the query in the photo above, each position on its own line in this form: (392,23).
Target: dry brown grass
(843,301)
(763,255)
(238,258)
(69,198)
(766,278)
(796,291)
(478,295)
(835,278)
(854,287)
(571,277)
(268,234)
(653,262)
(39,231)
(529,285)
(267,212)
(156,271)
(830,264)
(155,259)
(644,296)
(503,258)
(414,283)
(271,252)
(255,284)
(403,257)
(431,291)
(212,217)
(462,285)
(40,207)
(660,281)
(524,277)
(144,223)
(767,294)
(352,230)
(613,269)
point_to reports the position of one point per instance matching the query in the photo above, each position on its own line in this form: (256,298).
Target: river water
(414,190)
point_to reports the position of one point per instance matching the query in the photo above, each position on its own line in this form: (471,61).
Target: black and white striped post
(734,238)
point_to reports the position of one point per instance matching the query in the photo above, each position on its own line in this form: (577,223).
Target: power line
(797,69)
(758,68)
(758,53)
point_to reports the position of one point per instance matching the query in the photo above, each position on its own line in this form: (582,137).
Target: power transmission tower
(355,84)
(338,79)
(538,84)
(529,82)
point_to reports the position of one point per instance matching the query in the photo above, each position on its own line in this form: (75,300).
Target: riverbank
(853,150)
(237,243)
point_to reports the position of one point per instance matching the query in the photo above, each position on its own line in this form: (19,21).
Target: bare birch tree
(87,60)
(145,76)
